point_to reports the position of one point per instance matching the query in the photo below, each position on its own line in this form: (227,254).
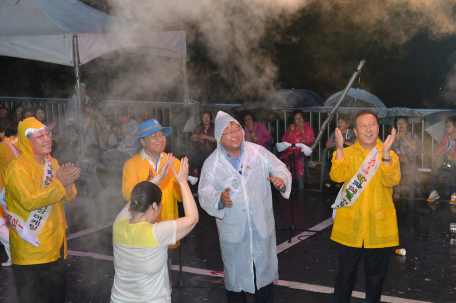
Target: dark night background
(309,52)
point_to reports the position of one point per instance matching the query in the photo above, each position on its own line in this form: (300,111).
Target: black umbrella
(262,113)
(293,99)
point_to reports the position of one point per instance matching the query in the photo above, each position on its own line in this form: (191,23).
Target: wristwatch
(386,160)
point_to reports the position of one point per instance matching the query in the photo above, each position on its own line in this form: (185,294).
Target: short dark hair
(203,112)
(401,117)
(251,115)
(365,112)
(8,124)
(344,117)
(143,195)
(7,110)
(26,110)
(451,119)
(36,109)
(298,111)
(144,106)
(15,107)
(123,111)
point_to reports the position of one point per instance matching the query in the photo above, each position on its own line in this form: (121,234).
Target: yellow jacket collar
(379,145)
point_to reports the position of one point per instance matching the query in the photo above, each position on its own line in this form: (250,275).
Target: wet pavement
(306,270)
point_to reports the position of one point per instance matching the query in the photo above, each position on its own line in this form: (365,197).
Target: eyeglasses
(231,133)
(40,136)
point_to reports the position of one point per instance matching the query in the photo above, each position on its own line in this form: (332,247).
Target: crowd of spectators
(101,134)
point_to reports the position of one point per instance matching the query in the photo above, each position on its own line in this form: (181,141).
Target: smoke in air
(233,35)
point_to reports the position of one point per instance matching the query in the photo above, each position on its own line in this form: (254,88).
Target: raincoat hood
(221,122)
(24,143)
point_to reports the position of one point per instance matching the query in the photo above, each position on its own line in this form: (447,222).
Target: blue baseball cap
(152,126)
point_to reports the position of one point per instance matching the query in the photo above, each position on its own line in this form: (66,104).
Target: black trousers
(262,295)
(41,283)
(375,266)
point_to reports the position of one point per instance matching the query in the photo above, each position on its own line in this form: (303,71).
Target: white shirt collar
(151,161)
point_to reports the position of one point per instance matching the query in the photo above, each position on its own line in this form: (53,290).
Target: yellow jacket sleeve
(71,198)
(34,196)
(391,175)
(339,171)
(129,179)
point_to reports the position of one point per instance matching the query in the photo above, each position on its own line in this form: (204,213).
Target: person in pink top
(298,132)
(255,132)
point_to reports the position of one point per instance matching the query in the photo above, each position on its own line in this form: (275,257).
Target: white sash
(350,193)
(30,230)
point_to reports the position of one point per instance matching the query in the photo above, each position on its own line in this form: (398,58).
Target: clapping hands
(163,171)
(182,175)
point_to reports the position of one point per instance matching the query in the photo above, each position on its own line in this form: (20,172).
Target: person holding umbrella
(446,157)
(298,132)
(406,145)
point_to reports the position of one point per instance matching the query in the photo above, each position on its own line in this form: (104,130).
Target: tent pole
(78,92)
(185,59)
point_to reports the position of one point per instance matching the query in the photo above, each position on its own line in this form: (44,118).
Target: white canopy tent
(68,32)
(43,30)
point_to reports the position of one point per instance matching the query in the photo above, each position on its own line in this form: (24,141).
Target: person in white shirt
(141,245)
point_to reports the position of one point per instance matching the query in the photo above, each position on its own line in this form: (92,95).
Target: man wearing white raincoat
(234,188)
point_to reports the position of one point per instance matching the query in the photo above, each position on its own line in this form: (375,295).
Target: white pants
(4,235)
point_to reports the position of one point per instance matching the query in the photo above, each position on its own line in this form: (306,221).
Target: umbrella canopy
(248,106)
(189,118)
(389,115)
(261,113)
(435,124)
(292,99)
(356,98)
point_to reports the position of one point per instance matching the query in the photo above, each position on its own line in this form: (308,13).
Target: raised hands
(388,143)
(182,175)
(163,171)
(339,139)
(67,174)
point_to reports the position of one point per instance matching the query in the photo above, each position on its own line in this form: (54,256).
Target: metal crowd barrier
(165,112)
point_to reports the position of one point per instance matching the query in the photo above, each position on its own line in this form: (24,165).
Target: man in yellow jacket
(36,191)
(366,220)
(146,164)
(9,150)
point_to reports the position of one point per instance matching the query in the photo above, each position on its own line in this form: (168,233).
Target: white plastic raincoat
(246,229)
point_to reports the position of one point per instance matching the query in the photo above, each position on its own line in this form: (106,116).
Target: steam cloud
(232,34)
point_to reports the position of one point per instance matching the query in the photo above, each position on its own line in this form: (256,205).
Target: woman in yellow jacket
(368,226)
(36,191)
(9,150)
(146,164)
